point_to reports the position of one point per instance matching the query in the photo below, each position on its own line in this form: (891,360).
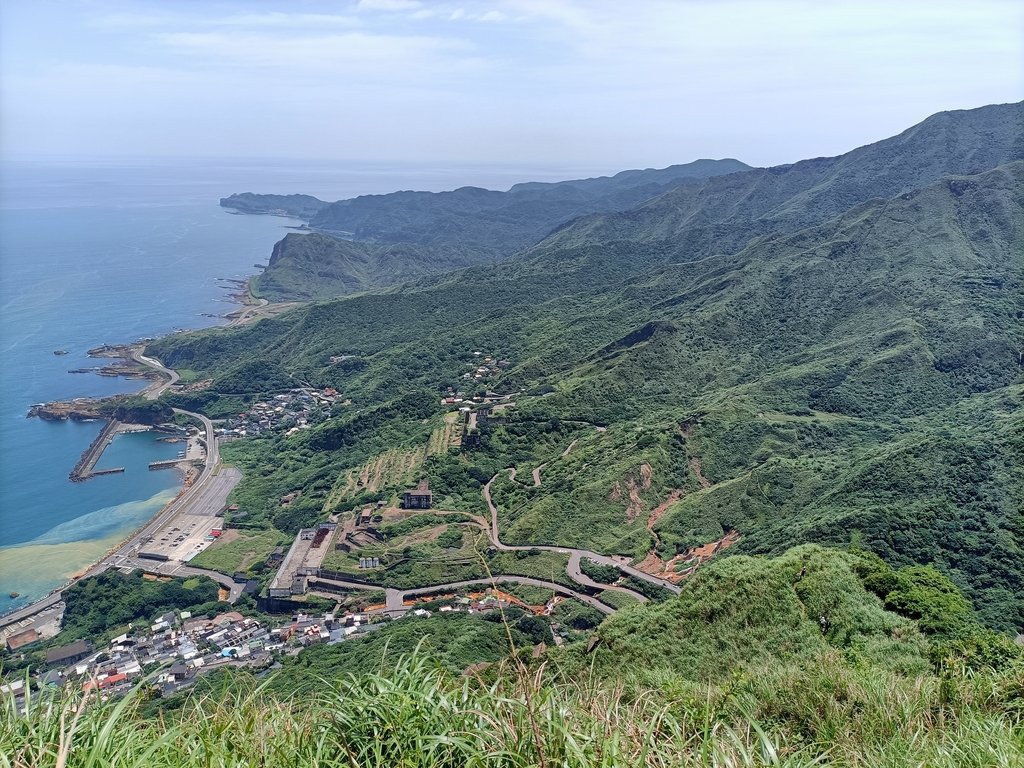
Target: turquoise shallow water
(97,252)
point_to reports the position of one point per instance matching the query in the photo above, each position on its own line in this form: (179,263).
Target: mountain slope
(723,214)
(855,378)
(692,211)
(503,222)
(405,235)
(315,266)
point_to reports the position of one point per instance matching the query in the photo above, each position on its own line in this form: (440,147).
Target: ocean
(109,252)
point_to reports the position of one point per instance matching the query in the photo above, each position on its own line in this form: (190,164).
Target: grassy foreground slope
(765,360)
(795,661)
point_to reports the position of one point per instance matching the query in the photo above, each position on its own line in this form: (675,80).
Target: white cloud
(280,19)
(579,19)
(275,19)
(640,82)
(128,20)
(388,5)
(342,54)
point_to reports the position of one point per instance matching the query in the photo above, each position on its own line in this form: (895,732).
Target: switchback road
(575,555)
(395,598)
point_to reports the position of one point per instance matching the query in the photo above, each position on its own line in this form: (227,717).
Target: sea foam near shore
(36,567)
(96,273)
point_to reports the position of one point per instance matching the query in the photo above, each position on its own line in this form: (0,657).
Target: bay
(106,251)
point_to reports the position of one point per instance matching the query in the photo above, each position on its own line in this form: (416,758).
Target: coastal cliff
(299,206)
(317,266)
(127,409)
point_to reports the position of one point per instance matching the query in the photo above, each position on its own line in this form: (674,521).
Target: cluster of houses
(490,599)
(453,397)
(179,643)
(178,647)
(182,647)
(484,366)
(304,630)
(473,408)
(473,603)
(493,599)
(295,410)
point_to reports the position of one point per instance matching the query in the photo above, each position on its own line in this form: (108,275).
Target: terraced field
(394,468)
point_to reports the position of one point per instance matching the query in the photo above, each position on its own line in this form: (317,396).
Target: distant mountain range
(381,240)
(827,352)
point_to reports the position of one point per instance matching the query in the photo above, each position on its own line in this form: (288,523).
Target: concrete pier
(86,466)
(168,464)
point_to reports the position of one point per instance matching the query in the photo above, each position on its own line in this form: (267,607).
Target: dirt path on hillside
(652,563)
(659,511)
(698,471)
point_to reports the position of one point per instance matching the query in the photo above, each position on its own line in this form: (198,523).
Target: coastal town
(174,649)
(169,653)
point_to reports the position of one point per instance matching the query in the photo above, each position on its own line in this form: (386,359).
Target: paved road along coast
(203,499)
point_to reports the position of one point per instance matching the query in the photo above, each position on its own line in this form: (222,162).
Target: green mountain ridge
(394,238)
(690,210)
(840,373)
(723,214)
(314,266)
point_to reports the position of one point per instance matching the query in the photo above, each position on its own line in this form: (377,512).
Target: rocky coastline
(91,409)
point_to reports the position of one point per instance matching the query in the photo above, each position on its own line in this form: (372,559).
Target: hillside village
(178,648)
(299,408)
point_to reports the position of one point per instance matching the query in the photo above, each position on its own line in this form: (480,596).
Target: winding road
(575,555)
(215,482)
(154,391)
(573,568)
(394,599)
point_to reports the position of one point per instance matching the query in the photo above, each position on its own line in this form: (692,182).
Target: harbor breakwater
(86,466)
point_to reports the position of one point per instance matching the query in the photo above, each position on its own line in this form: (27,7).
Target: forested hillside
(394,238)
(503,222)
(317,266)
(822,352)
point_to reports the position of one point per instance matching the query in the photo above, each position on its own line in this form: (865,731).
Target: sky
(601,84)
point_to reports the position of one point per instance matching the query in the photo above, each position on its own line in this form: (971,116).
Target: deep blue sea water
(109,252)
